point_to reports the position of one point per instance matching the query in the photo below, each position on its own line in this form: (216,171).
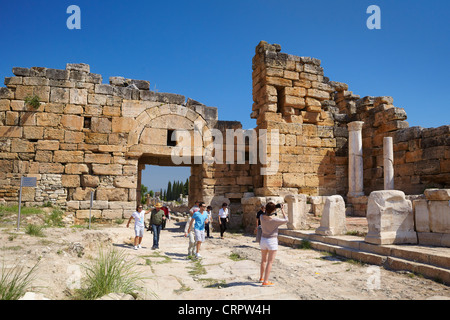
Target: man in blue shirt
(199,219)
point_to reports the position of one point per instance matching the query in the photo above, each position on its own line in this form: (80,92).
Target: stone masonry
(87,136)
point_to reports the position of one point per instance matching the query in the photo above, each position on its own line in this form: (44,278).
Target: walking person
(156,219)
(223,219)
(269,240)
(199,219)
(166,210)
(208,226)
(190,234)
(138,216)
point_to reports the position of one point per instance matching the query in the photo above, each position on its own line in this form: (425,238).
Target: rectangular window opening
(171,143)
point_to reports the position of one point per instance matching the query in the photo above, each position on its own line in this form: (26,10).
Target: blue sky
(203,49)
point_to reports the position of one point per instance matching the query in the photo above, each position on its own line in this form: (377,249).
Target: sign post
(90,208)
(24,182)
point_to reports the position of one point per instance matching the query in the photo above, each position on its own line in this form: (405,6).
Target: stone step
(431,262)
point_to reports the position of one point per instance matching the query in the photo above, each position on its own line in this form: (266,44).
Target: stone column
(355,159)
(388,157)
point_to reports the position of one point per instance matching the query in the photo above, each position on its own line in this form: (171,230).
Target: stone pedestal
(296,211)
(333,217)
(390,218)
(355,159)
(388,162)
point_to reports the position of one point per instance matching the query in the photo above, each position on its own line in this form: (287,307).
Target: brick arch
(160,119)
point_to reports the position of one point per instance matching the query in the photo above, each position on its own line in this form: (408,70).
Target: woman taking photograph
(269,240)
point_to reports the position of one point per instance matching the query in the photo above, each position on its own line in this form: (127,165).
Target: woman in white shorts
(269,240)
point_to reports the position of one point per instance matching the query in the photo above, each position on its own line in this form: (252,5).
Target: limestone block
(59,95)
(70,180)
(80,67)
(390,218)
(112,194)
(78,96)
(107,169)
(421,215)
(296,211)
(64,156)
(82,194)
(10,132)
(333,217)
(294,180)
(47,119)
(154,136)
(72,122)
(439,216)
(89,181)
(22,146)
(84,214)
(437,194)
(112,214)
(125,182)
(123,124)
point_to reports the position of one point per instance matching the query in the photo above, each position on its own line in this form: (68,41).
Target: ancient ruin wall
(291,93)
(421,155)
(88,136)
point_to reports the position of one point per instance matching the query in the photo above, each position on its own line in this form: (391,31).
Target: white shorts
(199,235)
(269,243)
(139,231)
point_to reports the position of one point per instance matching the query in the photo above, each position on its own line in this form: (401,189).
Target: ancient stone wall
(86,136)
(312,114)
(292,95)
(421,155)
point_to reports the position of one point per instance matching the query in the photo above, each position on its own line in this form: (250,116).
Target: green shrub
(109,273)
(14,283)
(34,230)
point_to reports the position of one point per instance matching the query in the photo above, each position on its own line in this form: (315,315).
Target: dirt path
(297,273)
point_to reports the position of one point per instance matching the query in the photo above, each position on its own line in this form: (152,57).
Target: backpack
(157,217)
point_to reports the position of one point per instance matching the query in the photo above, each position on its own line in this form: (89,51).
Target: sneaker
(198,255)
(139,246)
(135,248)
(267,284)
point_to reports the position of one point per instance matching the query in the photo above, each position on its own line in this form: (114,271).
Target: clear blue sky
(203,49)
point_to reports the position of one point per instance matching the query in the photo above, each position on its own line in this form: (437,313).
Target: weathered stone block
(333,217)
(76,168)
(390,218)
(439,216)
(296,211)
(59,95)
(107,169)
(78,96)
(437,194)
(63,156)
(72,122)
(89,181)
(70,180)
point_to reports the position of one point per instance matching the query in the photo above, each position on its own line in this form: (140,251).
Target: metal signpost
(24,182)
(90,208)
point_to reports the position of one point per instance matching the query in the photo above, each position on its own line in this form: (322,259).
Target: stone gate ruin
(88,136)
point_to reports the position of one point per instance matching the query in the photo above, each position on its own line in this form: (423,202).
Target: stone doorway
(195,189)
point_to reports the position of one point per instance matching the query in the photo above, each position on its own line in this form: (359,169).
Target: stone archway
(151,141)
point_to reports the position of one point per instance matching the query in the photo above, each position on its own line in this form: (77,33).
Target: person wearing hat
(156,220)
